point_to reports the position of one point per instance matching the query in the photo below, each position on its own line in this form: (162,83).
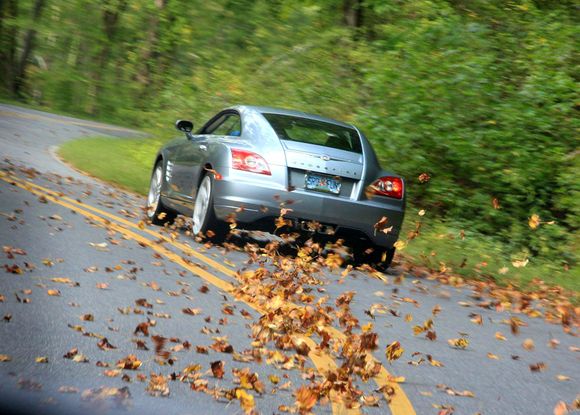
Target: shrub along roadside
(441,246)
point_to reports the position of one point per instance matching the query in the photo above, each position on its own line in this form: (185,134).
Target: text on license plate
(322,183)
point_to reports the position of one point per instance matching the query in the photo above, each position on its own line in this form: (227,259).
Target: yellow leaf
(460,343)
(367,327)
(62,280)
(499,336)
(562,378)
(246,400)
(418,330)
(42,359)
(396,379)
(5,358)
(54,293)
(394,351)
(493,356)
(400,245)
(534,221)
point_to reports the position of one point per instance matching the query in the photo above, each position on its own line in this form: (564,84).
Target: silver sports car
(247,162)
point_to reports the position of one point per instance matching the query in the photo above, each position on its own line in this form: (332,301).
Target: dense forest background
(479,94)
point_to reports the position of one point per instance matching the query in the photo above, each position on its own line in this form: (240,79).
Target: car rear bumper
(251,202)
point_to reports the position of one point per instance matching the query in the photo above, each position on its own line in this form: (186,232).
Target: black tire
(156,212)
(377,256)
(204,220)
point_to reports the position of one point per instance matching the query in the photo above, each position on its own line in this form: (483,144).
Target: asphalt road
(64,231)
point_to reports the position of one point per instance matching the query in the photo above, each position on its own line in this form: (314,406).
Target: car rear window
(321,133)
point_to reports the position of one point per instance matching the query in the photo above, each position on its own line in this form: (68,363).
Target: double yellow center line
(398,402)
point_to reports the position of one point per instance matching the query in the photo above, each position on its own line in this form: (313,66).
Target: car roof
(294,113)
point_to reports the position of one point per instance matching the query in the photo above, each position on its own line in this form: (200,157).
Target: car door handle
(203,147)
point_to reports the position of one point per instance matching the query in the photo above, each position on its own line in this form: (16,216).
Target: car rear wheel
(156,212)
(204,218)
(376,256)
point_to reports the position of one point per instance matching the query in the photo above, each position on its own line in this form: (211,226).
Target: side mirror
(184,126)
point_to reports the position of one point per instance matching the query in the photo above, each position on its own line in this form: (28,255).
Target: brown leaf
(130,362)
(157,385)
(217,369)
(394,351)
(538,367)
(191,311)
(142,328)
(105,345)
(306,398)
(424,178)
(142,302)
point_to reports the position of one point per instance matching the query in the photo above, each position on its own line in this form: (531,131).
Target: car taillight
(249,161)
(388,186)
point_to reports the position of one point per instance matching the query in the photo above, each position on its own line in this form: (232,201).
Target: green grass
(478,257)
(128,162)
(124,162)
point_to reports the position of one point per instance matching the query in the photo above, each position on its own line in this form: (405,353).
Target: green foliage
(479,94)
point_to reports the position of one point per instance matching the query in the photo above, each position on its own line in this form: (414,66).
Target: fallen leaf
(306,398)
(54,293)
(157,385)
(246,400)
(217,369)
(394,351)
(130,362)
(87,317)
(191,311)
(561,408)
(105,345)
(528,344)
(538,367)
(460,343)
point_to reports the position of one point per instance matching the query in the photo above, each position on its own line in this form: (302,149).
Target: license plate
(322,183)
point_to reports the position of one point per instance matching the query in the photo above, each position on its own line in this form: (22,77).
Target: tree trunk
(8,35)
(353,12)
(110,23)
(149,55)
(27,47)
